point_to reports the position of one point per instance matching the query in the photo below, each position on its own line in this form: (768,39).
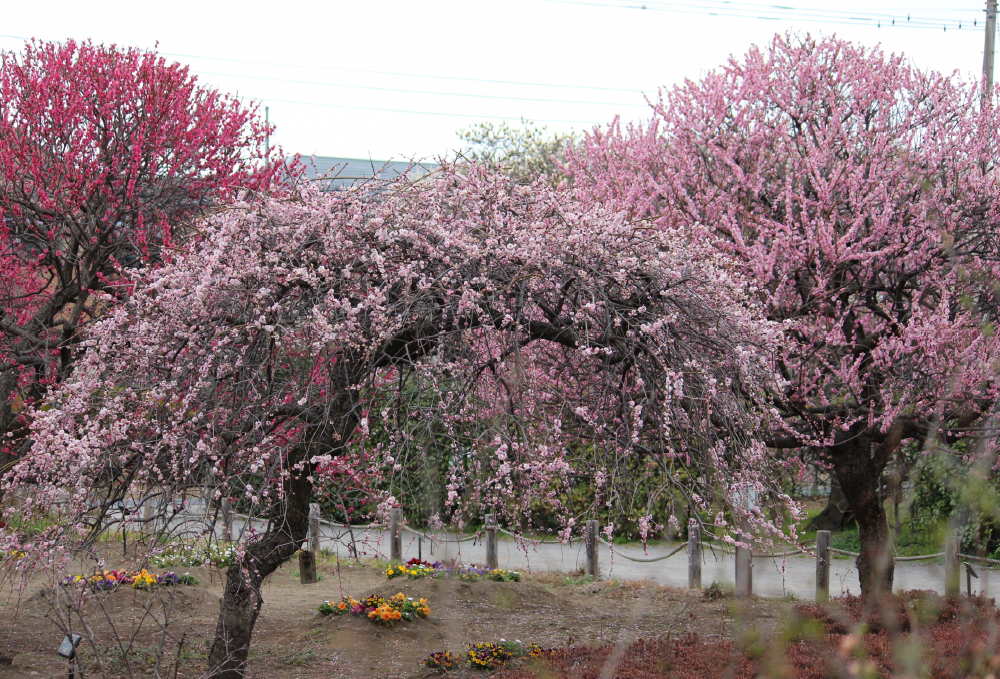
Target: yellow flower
(400,596)
(423,601)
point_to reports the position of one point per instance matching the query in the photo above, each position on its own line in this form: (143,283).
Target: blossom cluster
(585,310)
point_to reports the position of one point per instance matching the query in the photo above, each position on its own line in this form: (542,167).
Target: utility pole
(988,50)
(267,109)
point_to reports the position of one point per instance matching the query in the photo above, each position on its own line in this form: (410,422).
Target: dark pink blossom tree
(104,152)
(256,365)
(859,197)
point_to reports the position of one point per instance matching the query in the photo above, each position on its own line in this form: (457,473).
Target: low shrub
(915,631)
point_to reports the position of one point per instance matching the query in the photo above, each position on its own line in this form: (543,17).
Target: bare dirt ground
(293,640)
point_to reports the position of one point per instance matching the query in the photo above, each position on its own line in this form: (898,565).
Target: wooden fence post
(822,566)
(314,527)
(396,535)
(227,518)
(744,564)
(307,557)
(491,541)
(591,567)
(952,575)
(694,556)
(307,567)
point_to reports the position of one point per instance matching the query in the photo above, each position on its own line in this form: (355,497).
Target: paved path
(798,577)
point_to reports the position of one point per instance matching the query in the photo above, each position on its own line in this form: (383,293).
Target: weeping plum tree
(258,363)
(103,153)
(860,197)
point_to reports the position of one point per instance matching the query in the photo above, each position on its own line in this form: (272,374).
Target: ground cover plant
(910,634)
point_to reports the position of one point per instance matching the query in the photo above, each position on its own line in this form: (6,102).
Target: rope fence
(534,542)
(982,559)
(921,557)
(642,559)
(821,551)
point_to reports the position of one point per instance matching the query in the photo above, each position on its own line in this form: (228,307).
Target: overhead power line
(747,10)
(436,113)
(402,74)
(406,91)
(472,116)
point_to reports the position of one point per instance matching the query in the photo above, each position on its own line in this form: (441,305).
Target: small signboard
(67,648)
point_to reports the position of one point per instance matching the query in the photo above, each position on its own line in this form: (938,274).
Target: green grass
(846,540)
(575,580)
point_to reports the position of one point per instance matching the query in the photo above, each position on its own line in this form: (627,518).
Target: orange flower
(341,606)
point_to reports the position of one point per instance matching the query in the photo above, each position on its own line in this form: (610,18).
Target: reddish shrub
(688,657)
(957,637)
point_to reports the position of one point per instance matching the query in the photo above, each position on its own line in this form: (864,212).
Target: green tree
(525,153)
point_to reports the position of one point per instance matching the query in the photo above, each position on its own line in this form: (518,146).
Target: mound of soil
(293,640)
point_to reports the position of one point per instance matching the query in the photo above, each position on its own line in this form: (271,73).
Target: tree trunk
(837,511)
(859,473)
(241,600)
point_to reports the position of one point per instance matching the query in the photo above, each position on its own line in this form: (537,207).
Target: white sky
(324,68)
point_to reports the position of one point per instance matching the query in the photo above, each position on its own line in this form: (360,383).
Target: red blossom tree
(860,197)
(104,152)
(257,363)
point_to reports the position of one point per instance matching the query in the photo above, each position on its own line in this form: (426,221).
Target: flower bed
(501,575)
(488,655)
(379,610)
(143,579)
(441,661)
(192,556)
(416,569)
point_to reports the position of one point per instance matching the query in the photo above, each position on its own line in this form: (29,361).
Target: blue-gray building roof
(340,173)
